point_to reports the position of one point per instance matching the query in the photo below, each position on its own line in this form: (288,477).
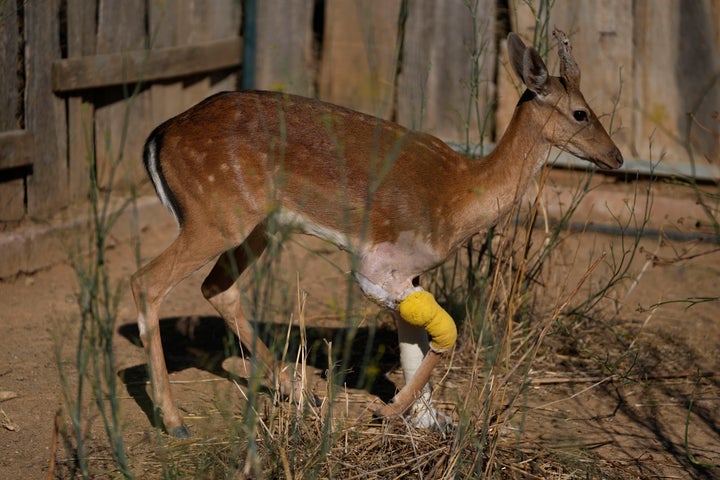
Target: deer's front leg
(420,317)
(414,346)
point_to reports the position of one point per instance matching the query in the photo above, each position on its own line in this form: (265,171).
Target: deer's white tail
(152,165)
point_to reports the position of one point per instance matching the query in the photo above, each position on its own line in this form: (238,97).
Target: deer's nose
(618,157)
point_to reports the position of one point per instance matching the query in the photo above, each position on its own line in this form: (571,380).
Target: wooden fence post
(186,22)
(81,25)
(285,61)
(12,191)
(442,39)
(121,120)
(44,112)
(359,58)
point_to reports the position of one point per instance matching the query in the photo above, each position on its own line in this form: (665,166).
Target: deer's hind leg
(150,285)
(220,289)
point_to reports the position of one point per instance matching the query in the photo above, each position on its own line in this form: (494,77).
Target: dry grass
(521,293)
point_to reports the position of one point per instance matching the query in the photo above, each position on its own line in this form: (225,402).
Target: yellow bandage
(421,309)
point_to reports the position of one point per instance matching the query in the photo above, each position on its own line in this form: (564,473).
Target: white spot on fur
(292,219)
(252,202)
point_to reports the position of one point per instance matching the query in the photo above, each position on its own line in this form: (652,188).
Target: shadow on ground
(206,342)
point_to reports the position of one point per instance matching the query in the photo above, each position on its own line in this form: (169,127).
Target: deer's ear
(528,65)
(516,52)
(535,74)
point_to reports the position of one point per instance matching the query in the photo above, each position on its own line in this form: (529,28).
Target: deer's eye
(580,115)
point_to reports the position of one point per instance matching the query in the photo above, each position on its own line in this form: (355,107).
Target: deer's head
(568,121)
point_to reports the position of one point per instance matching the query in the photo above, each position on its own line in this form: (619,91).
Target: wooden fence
(83,82)
(69,71)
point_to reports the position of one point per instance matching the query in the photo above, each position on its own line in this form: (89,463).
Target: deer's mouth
(613,161)
(600,163)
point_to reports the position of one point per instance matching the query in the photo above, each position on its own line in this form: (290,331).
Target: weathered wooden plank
(12,193)
(12,200)
(45,113)
(81,25)
(696,77)
(128,67)
(359,58)
(122,115)
(657,106)
(9,88)
(440,89)
(210,20)
(285,59)
(509,89)
(167,25)
(189,23)
(16,149)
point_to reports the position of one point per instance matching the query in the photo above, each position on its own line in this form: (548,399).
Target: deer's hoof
(420,415)
(181,431)
(429,417)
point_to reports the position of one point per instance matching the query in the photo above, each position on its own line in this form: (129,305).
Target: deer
(240,164)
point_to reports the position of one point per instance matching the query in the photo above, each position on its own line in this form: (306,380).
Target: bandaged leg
(421,316)
(413,349)
(421,310)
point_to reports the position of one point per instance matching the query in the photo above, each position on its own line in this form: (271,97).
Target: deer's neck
(501,178)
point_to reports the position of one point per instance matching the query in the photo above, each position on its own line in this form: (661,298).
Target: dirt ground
(653,411)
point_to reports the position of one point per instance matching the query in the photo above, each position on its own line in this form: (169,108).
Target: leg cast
(421,316)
